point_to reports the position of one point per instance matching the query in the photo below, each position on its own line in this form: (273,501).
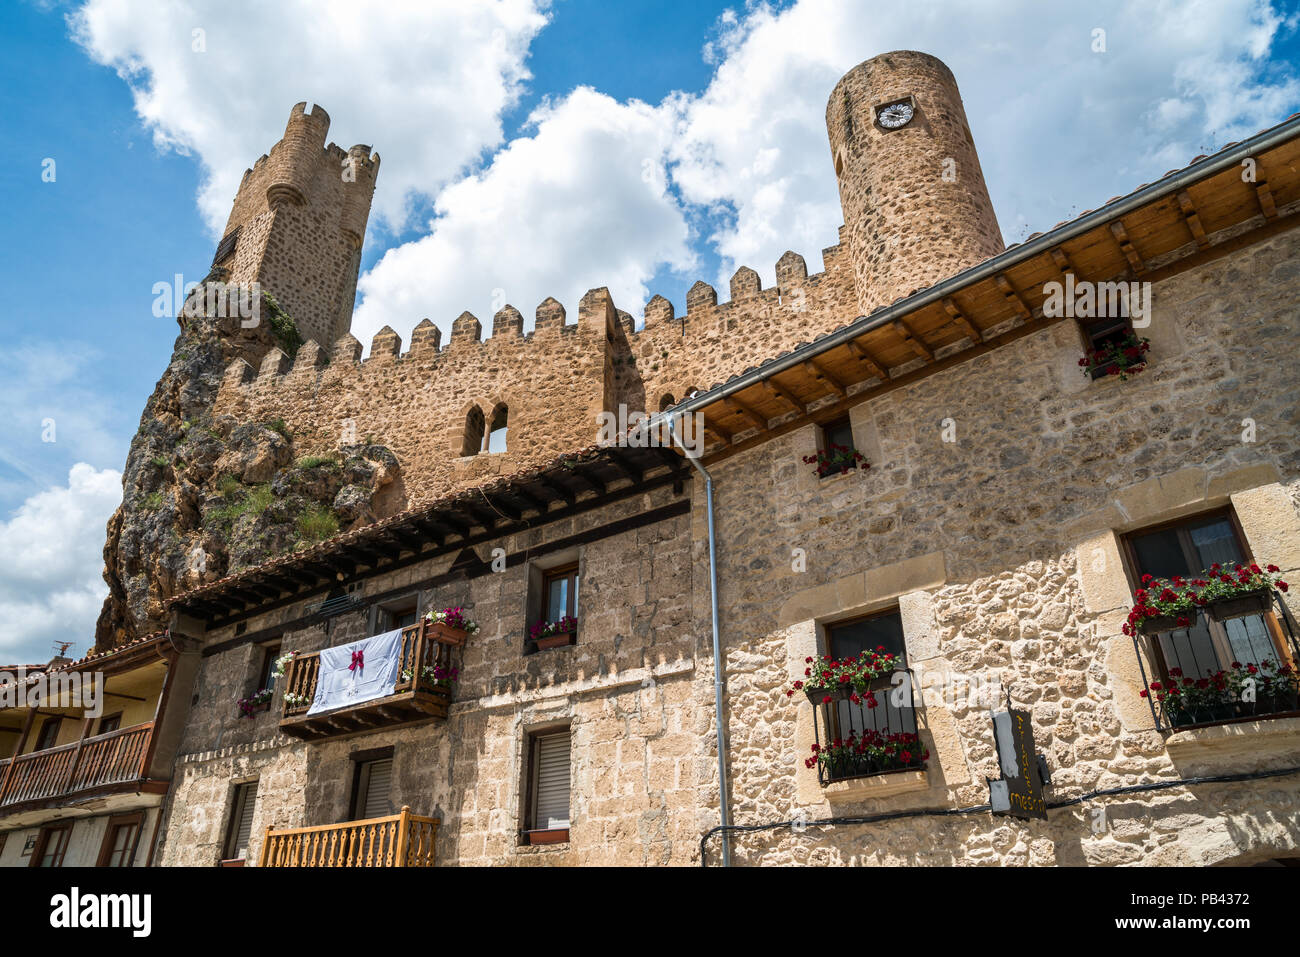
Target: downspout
(723,809)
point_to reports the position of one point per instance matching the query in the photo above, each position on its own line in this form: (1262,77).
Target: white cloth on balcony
(339,685)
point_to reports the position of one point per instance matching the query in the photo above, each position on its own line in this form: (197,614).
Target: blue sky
(636,145)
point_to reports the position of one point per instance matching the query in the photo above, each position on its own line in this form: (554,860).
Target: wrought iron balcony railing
(1229,663)
(852,737)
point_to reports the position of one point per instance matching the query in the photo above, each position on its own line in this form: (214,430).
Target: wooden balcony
(402,840)
(414,698)
(102,761)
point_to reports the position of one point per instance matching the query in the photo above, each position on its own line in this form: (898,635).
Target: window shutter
(552,781)
(379,779)
(244,828)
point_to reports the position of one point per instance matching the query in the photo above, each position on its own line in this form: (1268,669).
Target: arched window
(473,443)
(667,401)
(497,430)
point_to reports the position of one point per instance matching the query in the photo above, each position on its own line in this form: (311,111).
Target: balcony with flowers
(864,723)
(1222,647)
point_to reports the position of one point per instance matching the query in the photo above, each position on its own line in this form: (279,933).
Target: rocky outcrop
(206,495)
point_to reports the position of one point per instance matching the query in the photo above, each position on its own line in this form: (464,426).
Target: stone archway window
(667,402)
(496,441)
(473,443)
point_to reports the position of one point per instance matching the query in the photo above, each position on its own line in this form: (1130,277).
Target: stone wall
(1000,551)
(624,689)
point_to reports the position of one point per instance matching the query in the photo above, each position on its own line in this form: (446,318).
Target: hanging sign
(1019,793)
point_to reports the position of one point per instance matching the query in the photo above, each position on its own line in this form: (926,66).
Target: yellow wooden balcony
(400,840)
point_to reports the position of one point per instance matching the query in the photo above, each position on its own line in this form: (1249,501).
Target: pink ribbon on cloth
(358,660)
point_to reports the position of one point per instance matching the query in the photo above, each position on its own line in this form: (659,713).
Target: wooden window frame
(359,760)
(54,721)
(1098,327)
(99,729)
(832,711)
(270,654)
(549,575)
(135,819)
(530,834)
(824,442)
(238,798)
(1218,633)
(63,828)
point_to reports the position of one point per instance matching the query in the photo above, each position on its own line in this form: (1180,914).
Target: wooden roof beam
(1127,248)
(618,459)
(820,373)
(1192,219)
(712,426)
(913,340)
(775,389)
(1013,297)
(560,491)
(1265,196)
(1062,261)
(749,413)
(961,322)
(868,360)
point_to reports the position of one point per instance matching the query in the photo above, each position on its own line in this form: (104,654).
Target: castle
(908,454)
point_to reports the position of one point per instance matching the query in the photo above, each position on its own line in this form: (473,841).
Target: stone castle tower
(406,425)
(297,224)
(915,205)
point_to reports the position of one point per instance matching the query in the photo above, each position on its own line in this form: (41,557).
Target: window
(497,429)
(474,427)
(560,593)
(51,845)
(838,432)
(372,787)
(240,828)
(49,735)
(1187,548)
(121,840)
(267,665)
(110,723)
(848,639)
(399,614)
(226,248)
(548,787)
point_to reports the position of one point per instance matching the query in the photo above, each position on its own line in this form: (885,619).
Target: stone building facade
(993,528)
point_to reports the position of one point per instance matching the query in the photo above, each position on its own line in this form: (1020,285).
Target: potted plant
(282,664)
(259,701)
(553,634)
(827,680)
(1163,605)
(1122,357)
(450,625)
(836,458)
(870,753)
(439,676)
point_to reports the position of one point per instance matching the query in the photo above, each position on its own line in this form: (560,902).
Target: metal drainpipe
(724,810)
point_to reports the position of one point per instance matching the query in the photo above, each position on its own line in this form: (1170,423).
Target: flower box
(834,692)
(1239,606)
(1161,623)
(553,835)
(445,634)
(1123,358)
(557,640)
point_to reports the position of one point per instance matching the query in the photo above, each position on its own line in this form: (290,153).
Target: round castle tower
(298,155)
(911,188)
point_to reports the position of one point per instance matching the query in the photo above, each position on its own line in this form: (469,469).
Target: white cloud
(51,562)
(425,83)
(579,203)
(1059,128)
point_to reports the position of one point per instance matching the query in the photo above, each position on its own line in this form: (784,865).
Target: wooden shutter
(379,779)
(242,829)
(552,782)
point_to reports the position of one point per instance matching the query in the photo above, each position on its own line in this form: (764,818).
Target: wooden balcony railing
(402,840)
(416,696)
(114,758)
